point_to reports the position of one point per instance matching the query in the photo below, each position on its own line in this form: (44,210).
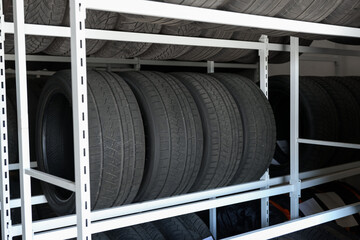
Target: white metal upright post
(212,211)
(80,118)
(22,118)
(264,75)
(4,179)
(294,127)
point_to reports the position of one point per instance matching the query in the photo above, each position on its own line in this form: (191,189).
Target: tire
(315,108)
(128,49)
(346,14)
(33,97)
(114,123)
(306,10)
(205,53)
(172,228)
(196,226)
(258,126)
(94,20)
(168,51)
(13,153)
(309,10)
(37,12)
(222,128)
(231,54)
(146,231)
(173,134)
(349,117)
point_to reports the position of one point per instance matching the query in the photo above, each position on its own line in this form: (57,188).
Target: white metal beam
(294,127)
(175,11)
(299,224)
(4,156)
(329,143)
(22,118)
(57,181)
(80,118)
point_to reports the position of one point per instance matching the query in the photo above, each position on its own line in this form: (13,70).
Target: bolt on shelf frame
(78,225)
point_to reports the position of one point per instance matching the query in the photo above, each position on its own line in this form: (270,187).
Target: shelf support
(22,118)
(263,72)
(5,185)
(294,127)
(212,211)
(80,118)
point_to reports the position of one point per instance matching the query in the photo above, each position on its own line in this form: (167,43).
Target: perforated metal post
(294,127)
(4,167)
(264,75)
(212,211)
(22,118)
(80,118)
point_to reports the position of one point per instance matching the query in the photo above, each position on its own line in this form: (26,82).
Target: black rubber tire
(13,153)
(315,108)
(100,236)
(169,51)
(174,229)
(346,14)
(94,20)
(146,231)
(205,53)
(258,126)
(116,140)
(305,10)
(173,134)
(36,12)
(232,54)
(128,49)
(195,225)
(309,10)
(349,117)
(33,97)
(222,127)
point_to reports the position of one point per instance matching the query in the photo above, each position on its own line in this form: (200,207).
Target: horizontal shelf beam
(57,181)
(154,215)
(299,224)
(98,215)
(329,178)
(329,143)
(16,166)
(95,60)
(175,11)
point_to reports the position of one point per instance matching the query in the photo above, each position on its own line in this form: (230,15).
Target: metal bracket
(264,64)
(137,65)
(210,66)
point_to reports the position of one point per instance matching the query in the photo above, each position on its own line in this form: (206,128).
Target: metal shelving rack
(85,222)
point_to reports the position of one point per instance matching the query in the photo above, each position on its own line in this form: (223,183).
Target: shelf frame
(84,217)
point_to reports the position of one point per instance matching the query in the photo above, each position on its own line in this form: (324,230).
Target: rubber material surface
(222,129)
(173,134)
(258,126)
(116,140)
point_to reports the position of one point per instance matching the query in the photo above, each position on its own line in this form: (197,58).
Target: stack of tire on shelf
(178,228)
(57,13)
(329,110)
(154,135)
(244,217)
